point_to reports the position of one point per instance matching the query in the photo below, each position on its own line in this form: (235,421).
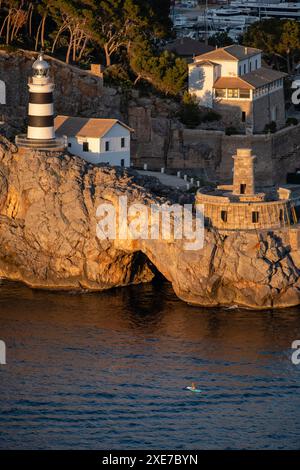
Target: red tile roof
(232,82)
(188,47)
(85,127)
(251,80)
(233,52)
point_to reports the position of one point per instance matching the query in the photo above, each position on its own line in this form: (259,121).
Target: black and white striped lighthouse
(40,110)
(40,130)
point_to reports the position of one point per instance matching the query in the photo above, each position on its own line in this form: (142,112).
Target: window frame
(222,91)
(235,93)
(245,91)
(243,187)
(224,216)
(85,146)
(255,217)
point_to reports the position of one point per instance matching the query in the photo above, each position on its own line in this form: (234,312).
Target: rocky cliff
(48,223)
(48,239)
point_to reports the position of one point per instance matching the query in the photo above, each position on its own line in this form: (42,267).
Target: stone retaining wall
(277,154)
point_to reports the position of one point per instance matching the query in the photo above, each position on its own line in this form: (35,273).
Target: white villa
(96,140)
(233,81)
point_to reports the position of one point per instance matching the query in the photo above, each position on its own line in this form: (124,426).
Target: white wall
(116,152)
(2,92)
(251,60)
(114,137)
(93,156)
(229,68)
(201,81)
(97,153)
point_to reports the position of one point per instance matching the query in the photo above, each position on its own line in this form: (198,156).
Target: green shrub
(231,130)
(164,70)
(117,75)
(291,121)
(211,116)
(220,40)
(190,113)
(270,128)
(8,47)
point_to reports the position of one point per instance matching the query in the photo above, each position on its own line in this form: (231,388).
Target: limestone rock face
(233,270)
(48,239)
(48,224)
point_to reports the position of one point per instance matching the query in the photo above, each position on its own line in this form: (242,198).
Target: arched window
(2,92)
(224,216)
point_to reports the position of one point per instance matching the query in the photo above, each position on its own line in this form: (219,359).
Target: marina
(204,21)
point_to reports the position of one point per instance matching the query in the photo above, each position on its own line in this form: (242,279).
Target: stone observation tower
(243,172)
(240,207)
(40,130)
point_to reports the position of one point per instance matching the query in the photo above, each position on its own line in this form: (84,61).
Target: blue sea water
(109,371)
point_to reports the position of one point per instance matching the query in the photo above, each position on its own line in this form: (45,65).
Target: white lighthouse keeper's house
(96,140)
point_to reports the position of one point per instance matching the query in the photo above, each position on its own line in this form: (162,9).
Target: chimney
(246,50)
(97,69)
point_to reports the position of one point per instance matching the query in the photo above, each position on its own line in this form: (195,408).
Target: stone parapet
(208,198)
(284,193)
(226,215)
(252,197)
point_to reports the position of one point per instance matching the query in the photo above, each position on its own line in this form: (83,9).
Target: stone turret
(243,172)
(240,207)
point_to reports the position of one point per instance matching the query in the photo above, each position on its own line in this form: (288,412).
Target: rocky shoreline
(48,240)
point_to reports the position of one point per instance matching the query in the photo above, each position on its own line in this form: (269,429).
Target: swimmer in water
(193,386)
